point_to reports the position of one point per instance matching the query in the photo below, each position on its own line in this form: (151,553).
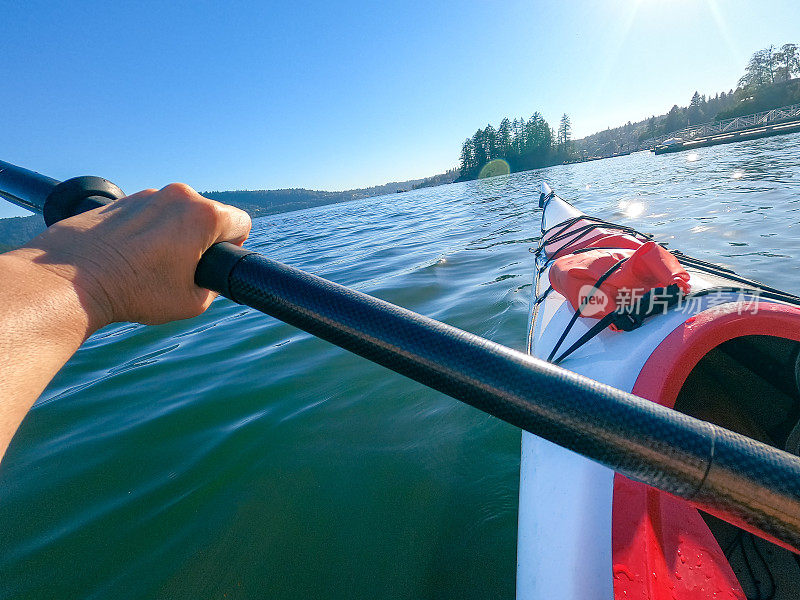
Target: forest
(517,145)
(770,81)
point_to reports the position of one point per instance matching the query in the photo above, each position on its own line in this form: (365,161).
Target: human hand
(134,260)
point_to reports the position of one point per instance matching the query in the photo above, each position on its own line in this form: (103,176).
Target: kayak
(682,332)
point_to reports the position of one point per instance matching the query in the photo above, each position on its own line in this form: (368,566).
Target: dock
(749,127)
(727,138)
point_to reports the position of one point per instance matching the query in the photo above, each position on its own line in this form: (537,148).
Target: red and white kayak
(678,331)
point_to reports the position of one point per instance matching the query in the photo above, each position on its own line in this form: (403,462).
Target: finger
(207,298)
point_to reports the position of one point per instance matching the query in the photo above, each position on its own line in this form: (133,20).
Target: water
(232,456)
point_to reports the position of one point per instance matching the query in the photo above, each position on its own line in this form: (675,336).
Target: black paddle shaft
(742,481)
(56,201)
(734,477)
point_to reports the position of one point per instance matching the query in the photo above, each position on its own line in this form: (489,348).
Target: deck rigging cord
(738,479)
(629,318)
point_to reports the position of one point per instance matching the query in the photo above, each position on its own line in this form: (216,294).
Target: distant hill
(17,231)
(441,179)
(267,202)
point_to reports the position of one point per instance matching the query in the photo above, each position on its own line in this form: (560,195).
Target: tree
(531,135)
(769,59)
(504,138)
(490,135)
(673,120)
(546,139)
(564,130)
(695,112)
(787,62)
(760,69)
(538,138)
(519,136)
(480,154)
(467,159)
(791,58)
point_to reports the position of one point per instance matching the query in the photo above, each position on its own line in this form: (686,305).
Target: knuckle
(190,206)
(179,191)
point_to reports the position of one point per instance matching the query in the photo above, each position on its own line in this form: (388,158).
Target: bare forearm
(133,260)
(43,322)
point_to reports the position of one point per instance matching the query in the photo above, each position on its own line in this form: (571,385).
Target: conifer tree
(467,163)
(504,138)
(564,130)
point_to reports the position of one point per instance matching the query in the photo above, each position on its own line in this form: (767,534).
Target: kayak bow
(727,351)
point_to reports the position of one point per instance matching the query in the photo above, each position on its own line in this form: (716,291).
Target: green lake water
(232,456)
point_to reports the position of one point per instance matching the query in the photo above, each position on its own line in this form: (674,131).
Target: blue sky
(336,95)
